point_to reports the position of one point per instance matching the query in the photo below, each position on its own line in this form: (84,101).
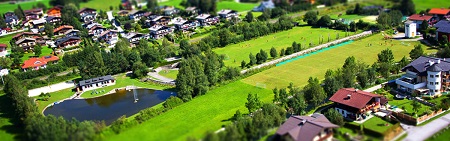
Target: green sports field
(220,5)
(101,4)
(237,52)
(316,65)
(192,119)
(5,7)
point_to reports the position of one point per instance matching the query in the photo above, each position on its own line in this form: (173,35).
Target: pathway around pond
(310,50)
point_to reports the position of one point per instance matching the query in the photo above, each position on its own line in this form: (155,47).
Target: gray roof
(225,11)
(71,30)
(202,16)
(23,39)
(444,29)
(442,23)
(305,128)
(65,39)
(422,64)
(95,80)
(434,68)
(264,5)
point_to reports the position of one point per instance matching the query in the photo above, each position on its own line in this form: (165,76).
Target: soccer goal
(260,85)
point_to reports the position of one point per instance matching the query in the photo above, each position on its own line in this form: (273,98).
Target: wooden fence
(412,120)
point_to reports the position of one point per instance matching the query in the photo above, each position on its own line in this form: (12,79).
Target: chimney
(430,62)
(438,61)
(356,90)
(349,96)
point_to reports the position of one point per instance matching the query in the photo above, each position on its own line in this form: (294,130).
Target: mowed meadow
(235,53)
(194,118)
(316,65)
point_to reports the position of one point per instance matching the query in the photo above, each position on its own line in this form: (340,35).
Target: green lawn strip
(55,97)
(5,7)
(121,82)
(172,74)
(377,124)
(192,119)
(281,40)
(425,4)
(236,6)
(316,65)
(402,137)
(6,39)
(175,3)
(443,135)
(101,4)
(45,51)
(8,131)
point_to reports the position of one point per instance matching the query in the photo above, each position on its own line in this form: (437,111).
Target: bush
(121,124)
(147,114)
(172,102)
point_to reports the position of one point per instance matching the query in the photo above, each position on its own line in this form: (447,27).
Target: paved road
(51,88)
(420,133)
(365,33)
(155,74)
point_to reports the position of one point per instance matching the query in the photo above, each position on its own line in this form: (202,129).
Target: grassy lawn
(175,3)
(172,74)
(281,40)
(192,119)
(315,65)
(424,4)
(443,135)
(45,51)
(377,124)
(236,6)
(347,17)
(5,7)
(121,82)
(101,4)
(6,39)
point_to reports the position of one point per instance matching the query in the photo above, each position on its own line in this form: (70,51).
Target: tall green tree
(185,79)
(19,12)
(334,117)
(298,104)
(313,92)
(310,18)
(424,26)
(252,59)
(253,102)
(37,50)
(416,52)
(407,7)
(324,21)
(139,69)
(152,5)
(91,64)
(332,82)
(386,56)
(48,28)
(249,17)
(2,22)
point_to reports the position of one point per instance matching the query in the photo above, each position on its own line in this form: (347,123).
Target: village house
(39,63)
(127,5)
(96,30)
(87,14)
(356,104)
(134,37)
(11,19)
(3,50)
(123,13)
(157,20)
(193,11)
(62,29)
(410,29)
(227,14)
(37,24)
(136,15)
(169,10)
(439,13)
(67,42)
(442,28)
(428,76)
(207,19)
(33,14)
(419,18)
(26,43)
(72,33)
(306,128)
(265,4)
(54,11)
(53,20)
(184,25)
(109,36)
(94,83)
(158,32)
(24,35)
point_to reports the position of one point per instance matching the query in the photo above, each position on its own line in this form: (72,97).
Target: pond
(109,107)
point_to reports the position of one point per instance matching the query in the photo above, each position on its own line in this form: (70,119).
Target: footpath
(322,46)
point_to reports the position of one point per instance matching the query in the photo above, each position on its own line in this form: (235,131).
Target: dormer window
(37,62)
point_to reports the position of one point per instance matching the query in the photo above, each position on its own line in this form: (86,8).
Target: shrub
(172,102)
(121,124)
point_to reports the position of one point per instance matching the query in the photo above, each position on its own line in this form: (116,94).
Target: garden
(316,65)
(25,5)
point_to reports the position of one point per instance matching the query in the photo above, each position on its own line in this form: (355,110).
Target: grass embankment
(281,40)
(425,4)
(5,7)
(192,119)
(172,74)
(443,135)
(121,81)
(316,65)
(101,4)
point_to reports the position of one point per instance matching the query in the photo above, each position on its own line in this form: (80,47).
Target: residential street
(420,133)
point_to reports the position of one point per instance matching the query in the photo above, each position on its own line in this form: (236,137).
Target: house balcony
(405,82)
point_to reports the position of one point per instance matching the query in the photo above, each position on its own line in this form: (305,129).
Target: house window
(435,90)
(437,83)
(431,83)
(431,76)
(437,76)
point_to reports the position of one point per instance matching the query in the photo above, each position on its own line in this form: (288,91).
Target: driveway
(420,133)
(51,88)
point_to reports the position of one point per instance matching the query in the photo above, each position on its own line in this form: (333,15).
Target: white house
(95,83)
(410,29)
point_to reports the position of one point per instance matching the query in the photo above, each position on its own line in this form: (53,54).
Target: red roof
(353,97)
(35,62)
(62,27)
(3,46)
(418,17)
(439,11)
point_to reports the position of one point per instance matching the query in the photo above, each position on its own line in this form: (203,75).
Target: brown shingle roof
(418,17)
(305,128)
(439,11)
(358,99)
